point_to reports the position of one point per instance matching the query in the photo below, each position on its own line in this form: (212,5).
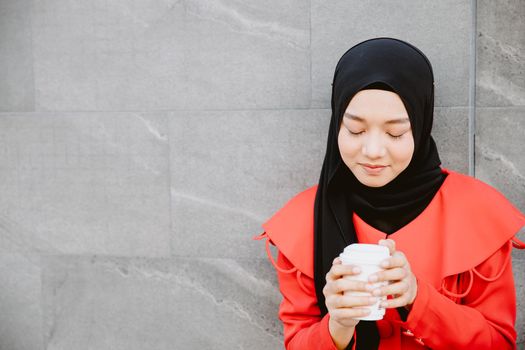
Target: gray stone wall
(142,144)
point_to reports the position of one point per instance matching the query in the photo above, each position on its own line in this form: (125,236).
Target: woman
(450,283)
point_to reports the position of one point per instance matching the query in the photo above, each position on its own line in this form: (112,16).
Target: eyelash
(395,137)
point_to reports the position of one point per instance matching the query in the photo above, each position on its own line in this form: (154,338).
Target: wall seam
(472,92)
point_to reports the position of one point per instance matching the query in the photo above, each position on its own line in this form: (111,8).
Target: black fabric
(397,66)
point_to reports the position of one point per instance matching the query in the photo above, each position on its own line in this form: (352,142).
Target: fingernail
(372,278)
(383,304)
(369,287)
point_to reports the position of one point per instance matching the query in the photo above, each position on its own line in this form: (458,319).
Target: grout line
(472,93)
(310,49)
(169,180)
(174,111)
(32,33)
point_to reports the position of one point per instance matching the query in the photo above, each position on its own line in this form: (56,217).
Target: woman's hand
(343,309)
(402,282)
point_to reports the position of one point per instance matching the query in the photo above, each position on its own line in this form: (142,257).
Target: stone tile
(159,304)
(85,183)
(500,78)
(195,54)
(499,162)
(450,131)
(16,57)
(337,26)
(500,149)
(518,266)
(20,299)
(231,170)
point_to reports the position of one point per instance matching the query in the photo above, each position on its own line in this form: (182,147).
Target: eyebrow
(392,121)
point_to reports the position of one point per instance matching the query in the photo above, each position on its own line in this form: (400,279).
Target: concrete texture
(16,57)
(232,170)
(500,162)
(500,150)
(100,303)
(500,79)
(500,117)
(339,25)
(20,299)
(86,183)
(153,55)
(142,144)
(519,278)
(450,131)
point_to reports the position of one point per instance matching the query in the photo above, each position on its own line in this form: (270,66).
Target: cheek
(402,151)
(347,147)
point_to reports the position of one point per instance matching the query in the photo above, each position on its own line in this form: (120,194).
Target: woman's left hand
(402,282)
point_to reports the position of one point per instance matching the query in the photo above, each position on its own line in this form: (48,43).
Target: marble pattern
(500,149)
(110,303)
(500,79)
(158,55)
(231,170)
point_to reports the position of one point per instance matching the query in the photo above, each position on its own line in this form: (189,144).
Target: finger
(395,302)
(398,259)
(389,243)
(397,288)
(343,285)
(349,313)
(336,301)
(336,261)
(394,274)
(350,301)
(338,271)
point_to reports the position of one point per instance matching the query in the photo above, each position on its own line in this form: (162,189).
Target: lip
(373,166)
(372,169)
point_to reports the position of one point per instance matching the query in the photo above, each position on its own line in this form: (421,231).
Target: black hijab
(394,65)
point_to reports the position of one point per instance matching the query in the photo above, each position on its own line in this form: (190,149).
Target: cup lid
(365,252)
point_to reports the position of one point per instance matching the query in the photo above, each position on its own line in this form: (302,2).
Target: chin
(379,183)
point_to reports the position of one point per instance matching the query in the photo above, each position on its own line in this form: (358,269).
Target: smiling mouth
(371,166)
(372,169)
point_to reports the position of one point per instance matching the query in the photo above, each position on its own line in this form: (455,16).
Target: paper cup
(367,257)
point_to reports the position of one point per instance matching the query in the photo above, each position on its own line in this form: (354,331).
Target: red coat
(467,230)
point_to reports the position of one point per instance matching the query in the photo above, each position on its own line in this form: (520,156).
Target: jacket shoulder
(291,229)
(475,193)
(479,220)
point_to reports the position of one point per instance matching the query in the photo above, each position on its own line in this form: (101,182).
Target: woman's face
(375,139)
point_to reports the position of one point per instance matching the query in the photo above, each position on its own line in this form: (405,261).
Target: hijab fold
(388,64)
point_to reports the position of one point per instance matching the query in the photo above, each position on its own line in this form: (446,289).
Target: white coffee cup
(368,258)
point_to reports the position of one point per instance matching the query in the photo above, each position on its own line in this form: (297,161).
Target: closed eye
(355,132)
(395,136)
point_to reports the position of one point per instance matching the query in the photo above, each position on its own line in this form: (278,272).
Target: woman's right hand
(343,309)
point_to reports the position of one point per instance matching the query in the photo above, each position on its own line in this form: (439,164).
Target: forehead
(377,105)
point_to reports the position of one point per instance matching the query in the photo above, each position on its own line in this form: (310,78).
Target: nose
(373,146)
